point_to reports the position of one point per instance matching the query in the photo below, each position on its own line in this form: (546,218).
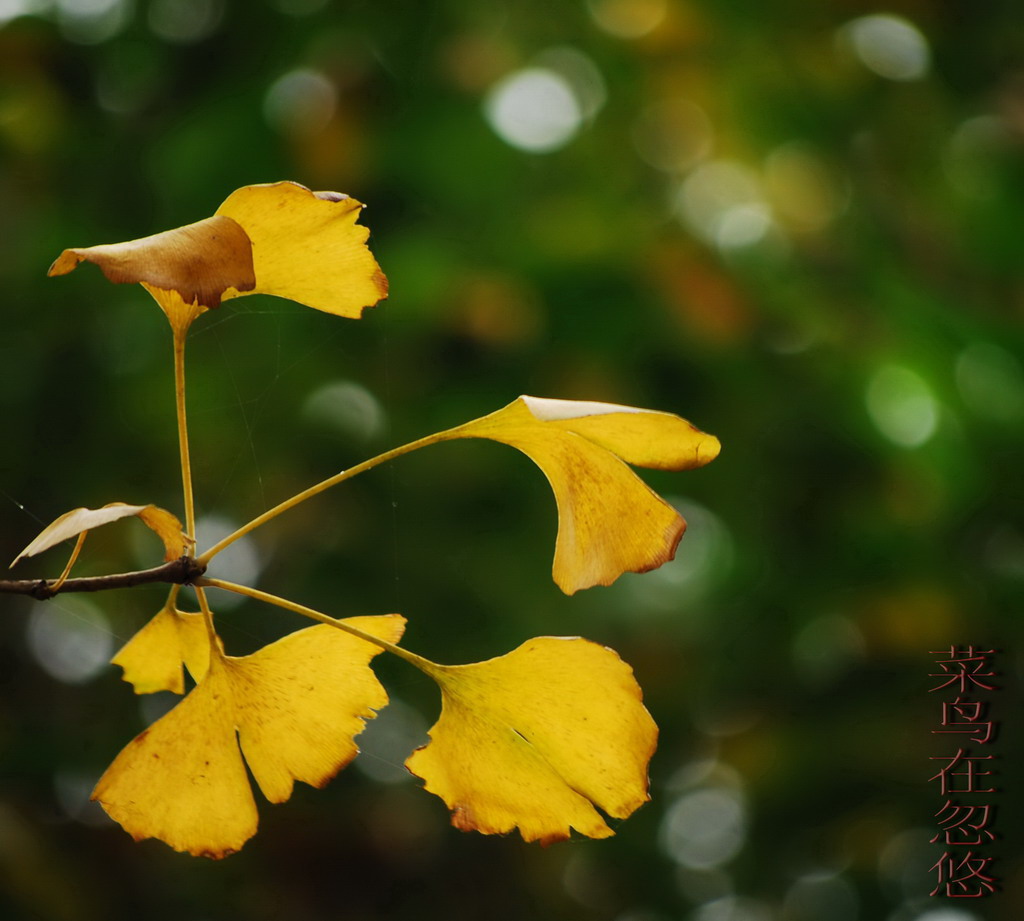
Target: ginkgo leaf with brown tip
(609,521)
(199,261)
(276,238)
(152,659)
(537,738)
(165,525)
(291,709)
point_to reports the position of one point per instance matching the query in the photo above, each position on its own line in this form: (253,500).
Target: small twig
(182,571)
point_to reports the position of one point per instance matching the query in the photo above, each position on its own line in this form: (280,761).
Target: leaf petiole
(180,334)
(204,558)
(211,632)
(424,665)
(62,578)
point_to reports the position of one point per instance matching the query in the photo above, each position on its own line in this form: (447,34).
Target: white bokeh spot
(534,109)
(888,45)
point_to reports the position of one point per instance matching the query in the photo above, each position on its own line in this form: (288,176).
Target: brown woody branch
(182,571)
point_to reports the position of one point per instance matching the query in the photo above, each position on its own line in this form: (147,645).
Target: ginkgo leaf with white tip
(165,525)
(609,521)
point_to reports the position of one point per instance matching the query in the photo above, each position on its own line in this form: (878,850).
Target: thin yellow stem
(180,334)
(211,633)
(424,665)
(281,507)
(62,578)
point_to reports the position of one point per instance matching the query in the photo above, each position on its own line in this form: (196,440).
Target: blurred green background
(797,224)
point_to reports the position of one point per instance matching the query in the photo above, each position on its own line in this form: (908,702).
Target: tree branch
(182,571)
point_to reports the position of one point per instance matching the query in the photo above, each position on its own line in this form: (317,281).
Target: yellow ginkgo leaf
(278,238)
(537,738)
(152,659)
(609,521)
(183,780)
(307,247)
(292,708)
(73,523)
